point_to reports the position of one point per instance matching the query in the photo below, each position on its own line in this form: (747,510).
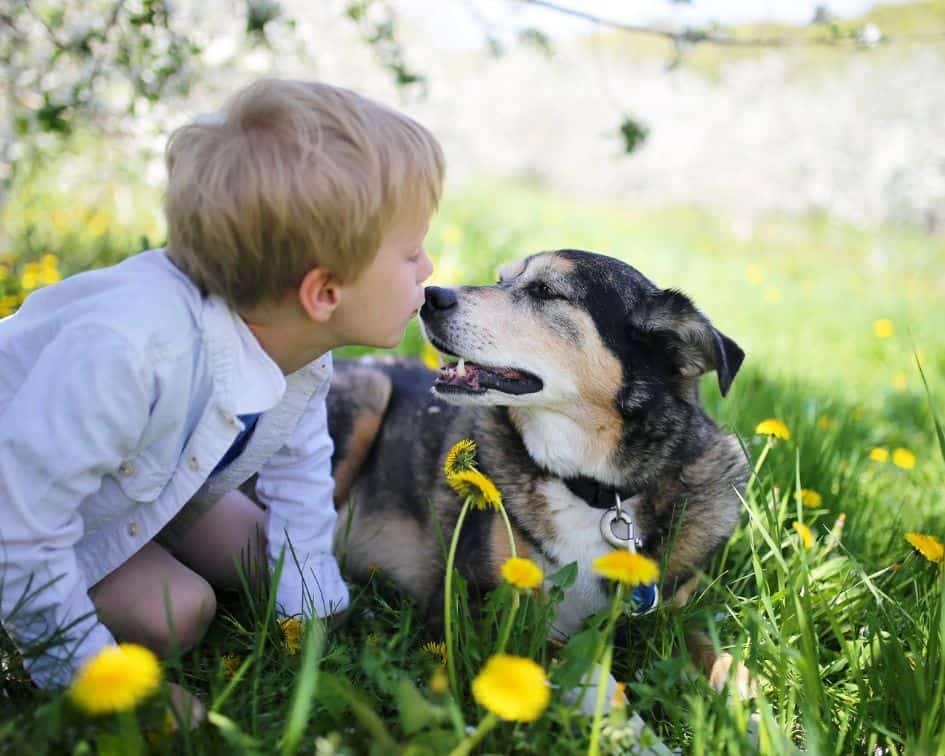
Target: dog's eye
(541,291)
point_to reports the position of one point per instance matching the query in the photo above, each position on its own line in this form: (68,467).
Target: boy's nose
(439,298)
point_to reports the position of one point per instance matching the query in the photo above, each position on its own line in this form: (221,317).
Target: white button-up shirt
(119,393)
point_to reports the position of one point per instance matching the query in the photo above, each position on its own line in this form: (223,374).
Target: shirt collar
(247,380)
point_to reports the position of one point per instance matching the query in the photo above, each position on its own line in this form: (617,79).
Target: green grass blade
(940,434)
(305,686)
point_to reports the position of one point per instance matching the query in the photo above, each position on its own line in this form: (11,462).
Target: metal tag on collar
(616,527)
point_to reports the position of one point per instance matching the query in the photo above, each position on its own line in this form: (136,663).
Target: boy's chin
(389,343)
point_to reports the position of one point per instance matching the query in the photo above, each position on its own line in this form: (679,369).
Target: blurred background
(781,161)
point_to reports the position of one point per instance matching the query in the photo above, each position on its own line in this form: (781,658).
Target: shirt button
(230,419)
(193,463)
(132,529)
(126,468)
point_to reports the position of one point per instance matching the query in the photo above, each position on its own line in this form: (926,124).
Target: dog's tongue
(468,374)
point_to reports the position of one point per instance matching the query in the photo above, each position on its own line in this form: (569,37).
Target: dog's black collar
(596,494)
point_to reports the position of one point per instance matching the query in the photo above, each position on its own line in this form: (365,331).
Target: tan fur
(373,391)
(359,444)
(395,543)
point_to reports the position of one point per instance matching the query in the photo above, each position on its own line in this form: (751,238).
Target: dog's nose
(439,298)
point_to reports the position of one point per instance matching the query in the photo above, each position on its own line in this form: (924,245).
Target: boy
(134,400)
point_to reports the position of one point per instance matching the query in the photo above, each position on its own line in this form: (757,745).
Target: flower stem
(466,747)
(508,529)
(448,601)
(507,625)
(593,750)
(510,617)
(605,661)
(129,734)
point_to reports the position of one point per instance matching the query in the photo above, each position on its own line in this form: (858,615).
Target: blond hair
(290,176)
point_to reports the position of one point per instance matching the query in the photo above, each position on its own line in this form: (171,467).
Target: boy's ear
(319,293)
(694,344)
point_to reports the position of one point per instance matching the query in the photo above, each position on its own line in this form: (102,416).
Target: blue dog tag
(645,598)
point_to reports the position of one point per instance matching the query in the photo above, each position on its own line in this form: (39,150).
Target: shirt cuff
(57,667)
(314,586)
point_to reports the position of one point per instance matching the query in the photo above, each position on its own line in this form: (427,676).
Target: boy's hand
(188,710)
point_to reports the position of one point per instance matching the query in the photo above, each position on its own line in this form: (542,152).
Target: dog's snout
(439,298)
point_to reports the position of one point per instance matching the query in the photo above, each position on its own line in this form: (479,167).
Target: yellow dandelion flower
(30,277)
(900,381)
(879,454)
(460,457)
(8,305)
(772,295)
(883,328)
(472,483)
(755,274)
(928,546)
(231,663)
(825,422)
(903,458)
(49,276)
(436,649)
(807,538)
(292,634)
(522,573)
(810,498)
(628,568)
(513,688)
(773,427)
(439,684)
(429,356)
(118,678)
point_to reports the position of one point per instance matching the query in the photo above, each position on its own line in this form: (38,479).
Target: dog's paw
(724,669)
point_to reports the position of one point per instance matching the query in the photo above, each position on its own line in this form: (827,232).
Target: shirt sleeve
(76,414)
(297,488)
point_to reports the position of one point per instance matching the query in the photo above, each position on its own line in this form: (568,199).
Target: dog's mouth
(466,377)
(473,378)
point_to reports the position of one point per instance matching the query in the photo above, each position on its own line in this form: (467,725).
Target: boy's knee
(183,622)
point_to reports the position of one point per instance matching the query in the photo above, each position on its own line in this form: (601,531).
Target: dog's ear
(695,346)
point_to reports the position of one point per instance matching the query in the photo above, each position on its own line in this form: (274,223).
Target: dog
(578,379)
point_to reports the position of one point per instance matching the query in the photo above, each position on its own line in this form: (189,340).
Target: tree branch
(692,36)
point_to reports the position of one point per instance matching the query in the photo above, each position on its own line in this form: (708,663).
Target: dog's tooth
(461,367)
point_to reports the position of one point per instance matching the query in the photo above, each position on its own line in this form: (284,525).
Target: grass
(846,638)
